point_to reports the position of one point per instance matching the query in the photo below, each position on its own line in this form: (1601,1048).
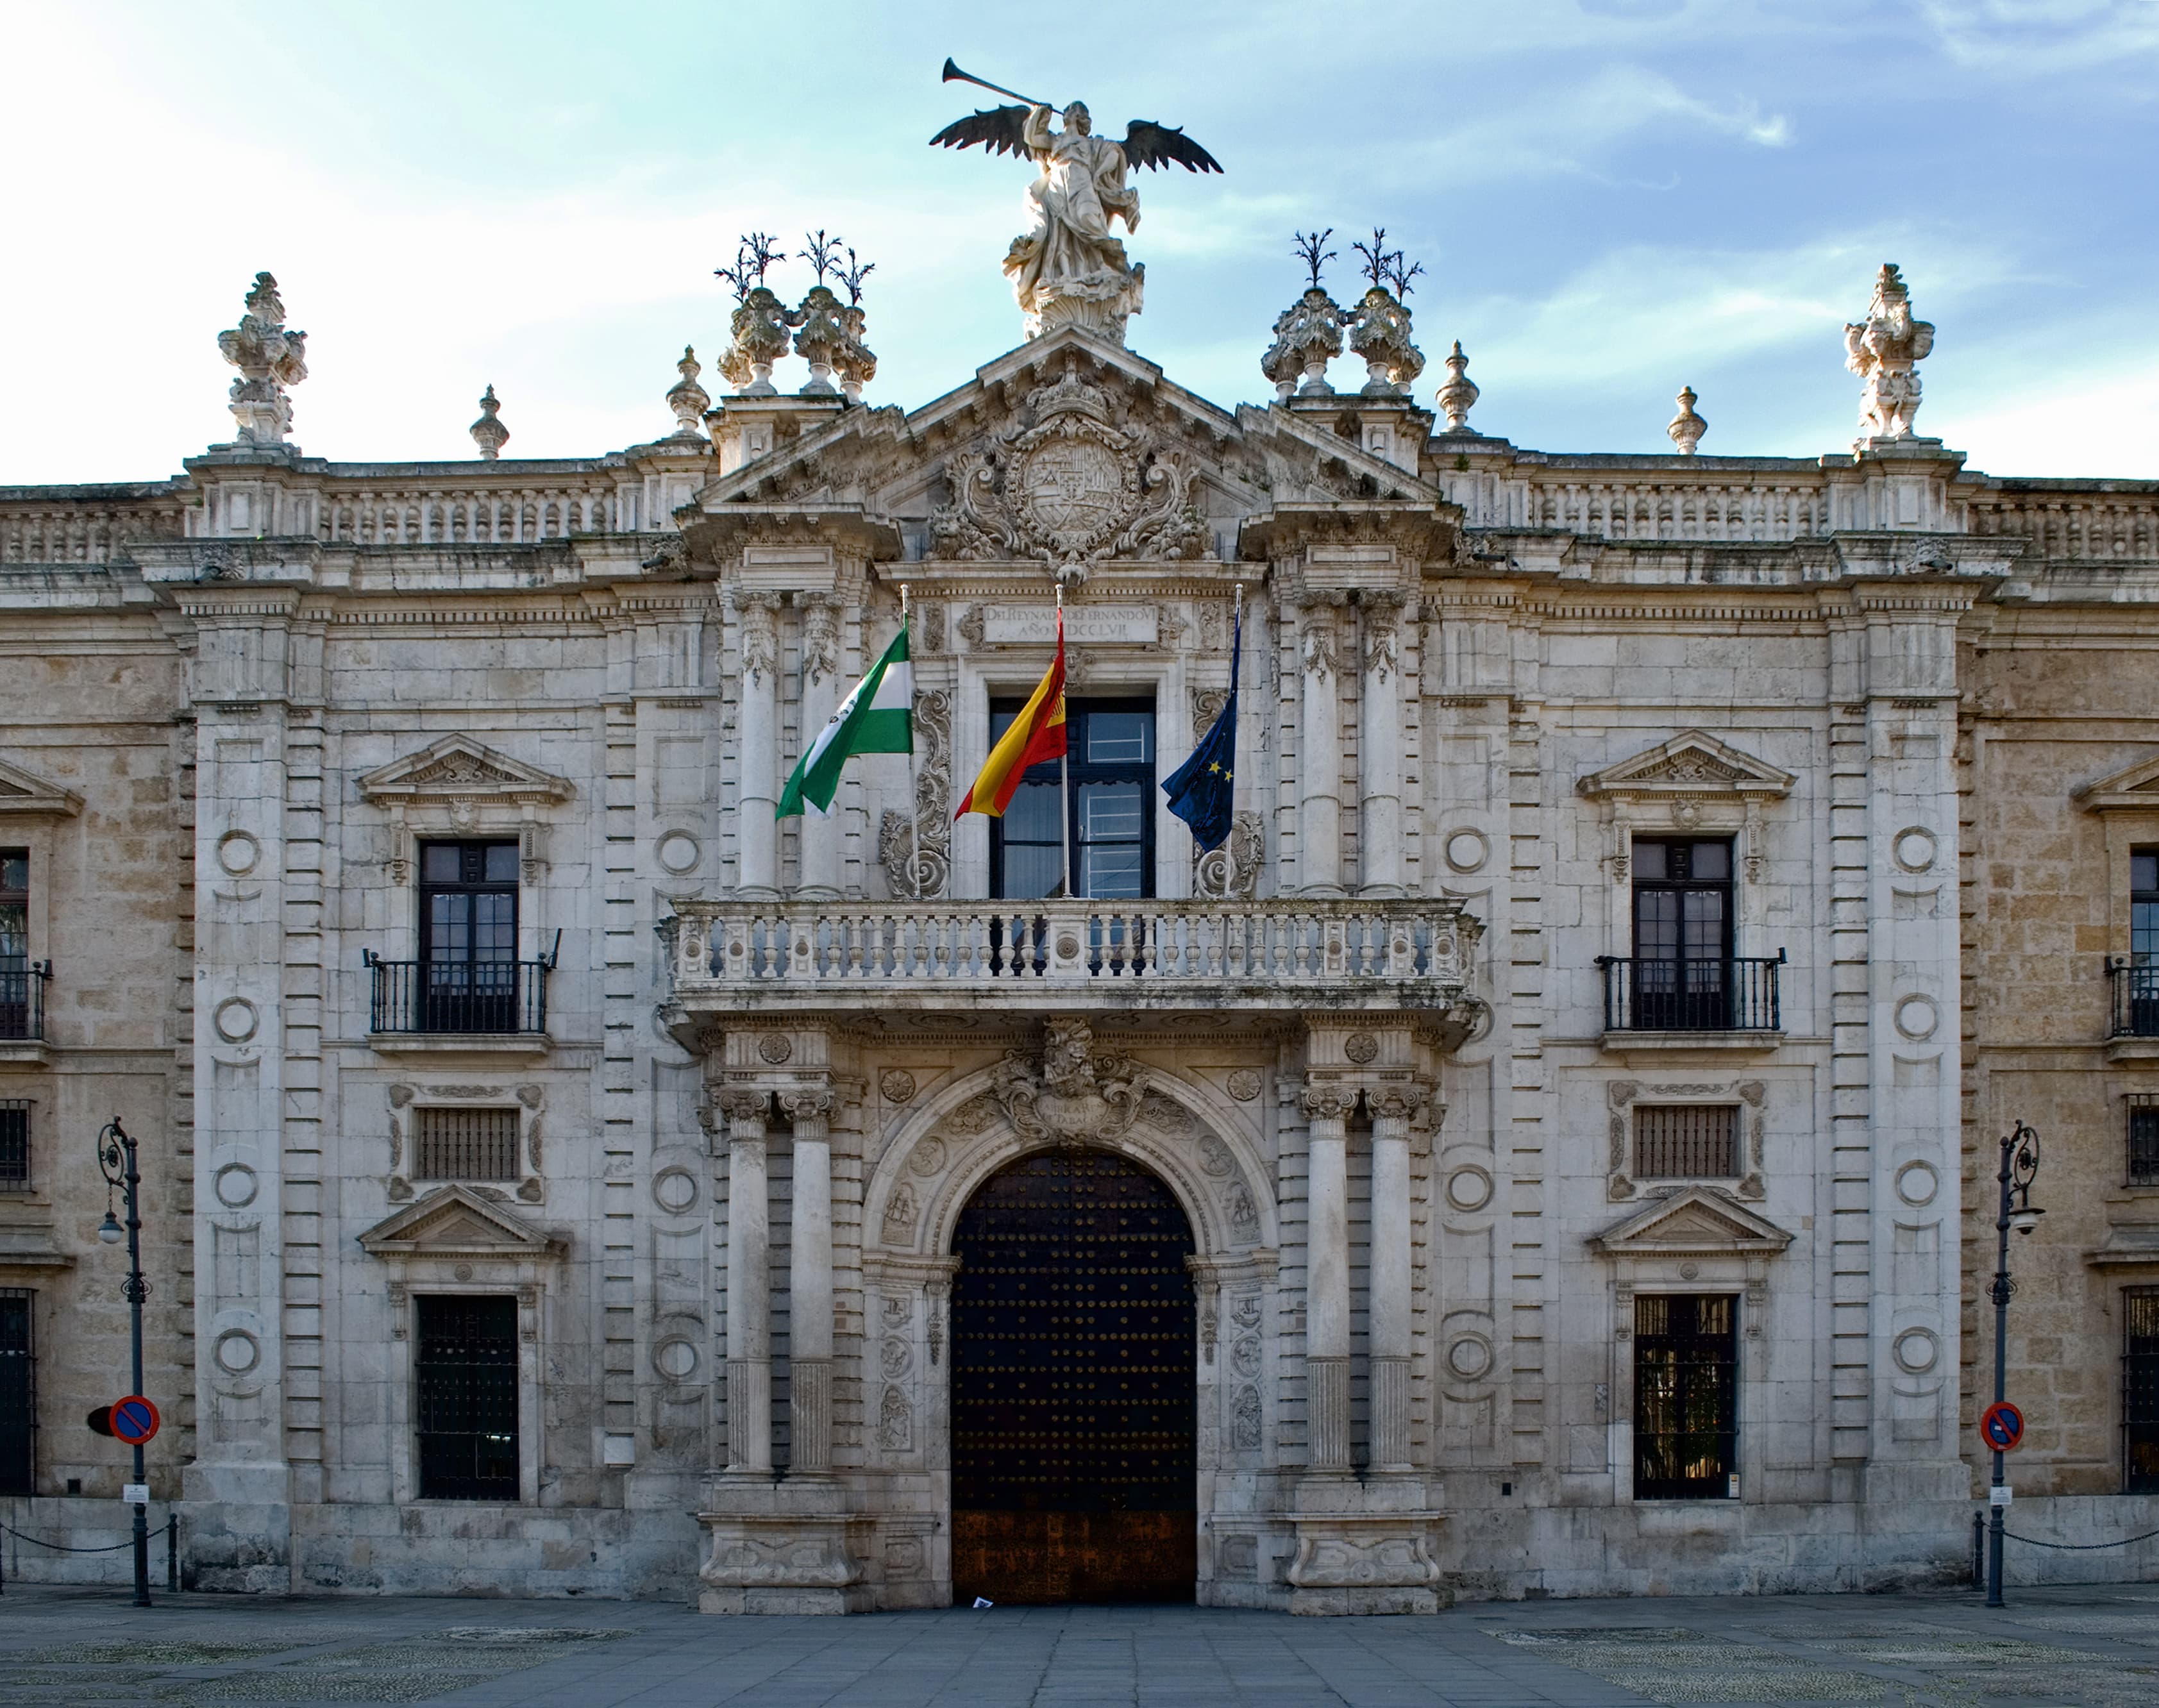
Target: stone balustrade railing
(2080,525)
(1052,954)
(496,514)
(1741,506)
(55,527)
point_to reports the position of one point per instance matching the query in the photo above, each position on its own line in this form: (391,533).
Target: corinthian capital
(759,615)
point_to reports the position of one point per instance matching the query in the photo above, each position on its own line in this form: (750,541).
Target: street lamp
(2020,1162)
(116,1160)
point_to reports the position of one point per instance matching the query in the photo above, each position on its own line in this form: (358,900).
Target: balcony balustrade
(470,997)
(2134,1009)
(1731,994)
(1047,955)
(23,999)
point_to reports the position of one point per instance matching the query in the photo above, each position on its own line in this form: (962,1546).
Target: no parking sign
(2002,1428)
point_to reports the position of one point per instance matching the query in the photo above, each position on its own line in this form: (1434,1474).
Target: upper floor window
(468,936)
(1110,827)
(1682,932)
(18,1017)
(2144,1139)
(2144,906)
(14,1145)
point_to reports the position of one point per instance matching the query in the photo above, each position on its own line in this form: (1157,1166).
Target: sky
(1610,198)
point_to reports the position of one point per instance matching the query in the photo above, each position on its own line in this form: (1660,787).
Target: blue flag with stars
(1201,789)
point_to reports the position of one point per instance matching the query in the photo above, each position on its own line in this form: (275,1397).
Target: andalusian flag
(1038,733)
(876,718)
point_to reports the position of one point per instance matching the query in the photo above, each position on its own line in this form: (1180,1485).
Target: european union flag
(1201,789)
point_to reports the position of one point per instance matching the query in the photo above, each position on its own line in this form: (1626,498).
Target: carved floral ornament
(1693,782)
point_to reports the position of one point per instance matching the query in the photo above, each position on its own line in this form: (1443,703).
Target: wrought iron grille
(1074,1449)
(23,997)
(2140,1388)
(466,1378)
(465,1144)
(1686,1141)
(1733,994)
(2134,993)
(2144,1139)
(19,1393)
(1685,1396)
(14,1145)
(458,995)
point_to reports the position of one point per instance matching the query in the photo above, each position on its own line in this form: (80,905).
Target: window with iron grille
(1686,1141)
(466,1375)
(14,1145)
(19,1393)
(2144,1139)
(1686,1397)
(465,1144)
(2140,1388)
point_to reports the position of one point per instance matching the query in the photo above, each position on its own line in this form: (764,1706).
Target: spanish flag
(1038,733)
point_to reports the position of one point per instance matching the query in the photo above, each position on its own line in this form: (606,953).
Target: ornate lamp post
(115,1158)
(2020,1162)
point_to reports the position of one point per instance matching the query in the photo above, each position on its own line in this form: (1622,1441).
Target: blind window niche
(1686,1141)
(465,1144)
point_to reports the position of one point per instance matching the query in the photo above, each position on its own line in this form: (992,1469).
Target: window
(466,1374)
(468,936)
(1686,1358)
(2144,1139)
(17,999)
(1681,1141)
(2137,1006)
(1682,933)
(1111,826)
(19,1393)
(465,1144)
(2140,1388)
(14,1145)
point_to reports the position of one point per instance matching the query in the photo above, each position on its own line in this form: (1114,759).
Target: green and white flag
(876,718)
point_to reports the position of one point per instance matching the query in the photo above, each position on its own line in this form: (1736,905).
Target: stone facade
(1388,1048)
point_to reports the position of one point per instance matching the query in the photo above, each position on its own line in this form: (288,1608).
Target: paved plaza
(2094,1647)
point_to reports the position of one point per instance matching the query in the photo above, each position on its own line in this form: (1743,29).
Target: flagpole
(913,789)
(1064,758)
(1230,847)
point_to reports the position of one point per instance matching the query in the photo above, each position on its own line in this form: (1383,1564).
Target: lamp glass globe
(110,1231)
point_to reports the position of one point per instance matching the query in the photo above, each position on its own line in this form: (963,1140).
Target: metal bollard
(1979,1550)
(172,1553)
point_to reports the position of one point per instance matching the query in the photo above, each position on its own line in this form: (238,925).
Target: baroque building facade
(1546,1148)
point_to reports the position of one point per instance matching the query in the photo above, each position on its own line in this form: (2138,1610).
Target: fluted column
(822,840)
(757,832)
(1327,1276)
(809,1283)
(1319,753)
(1392,1108)
(1380,750)
(749,1284)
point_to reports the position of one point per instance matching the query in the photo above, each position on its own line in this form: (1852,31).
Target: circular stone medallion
(677,852)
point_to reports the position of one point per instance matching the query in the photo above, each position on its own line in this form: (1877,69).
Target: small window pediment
(25,792)
(1691,764)
(1699,1221)
(2133,789)
(457,1222)
(458,767)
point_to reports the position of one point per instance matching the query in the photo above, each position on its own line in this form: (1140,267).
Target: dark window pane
(1122,737)
(2144,871)
(18,1394)
(439,863)
(2140,1388)
(1648,860)
(1710,861)
(2144,1145)
(1685,1397)
(1111,873)
(501,866)
(1110,770)
(1033,815)
(1109,812)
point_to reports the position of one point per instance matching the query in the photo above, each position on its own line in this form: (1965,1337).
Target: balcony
(1058,956)
(458,1004)
(22,1012)
(1691,1002)
(2132,1008)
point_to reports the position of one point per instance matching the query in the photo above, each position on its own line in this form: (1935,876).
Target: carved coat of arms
(1071,1091)
(1067,484)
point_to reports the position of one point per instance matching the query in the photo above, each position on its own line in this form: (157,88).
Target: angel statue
(1068,270)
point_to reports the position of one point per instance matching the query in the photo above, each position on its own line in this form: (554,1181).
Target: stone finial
(687,398)
(760,323)
(1883,350)
(1308,336)
(1686,427)
(488,433)
(270,359)
(1380,332)
(856,362)
(1459,395)
(821,334)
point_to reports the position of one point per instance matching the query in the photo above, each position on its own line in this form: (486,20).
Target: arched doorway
(1074,1452)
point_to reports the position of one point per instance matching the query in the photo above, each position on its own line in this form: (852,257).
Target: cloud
(2024,37)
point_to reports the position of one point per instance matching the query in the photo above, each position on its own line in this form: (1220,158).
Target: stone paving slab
(2071,1647)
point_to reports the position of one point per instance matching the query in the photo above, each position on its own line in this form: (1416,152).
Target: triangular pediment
(1698,1221)
(458,767)
(25,792)
(1064,451)
(2133,789)
(1693,762)
(457,1222)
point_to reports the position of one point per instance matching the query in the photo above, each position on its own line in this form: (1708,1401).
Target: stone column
(822,840)
(1319,753)
(1326,1277)
(809,1283)
(749,1285)
(1380,750)
(1392,1108)
(757,832)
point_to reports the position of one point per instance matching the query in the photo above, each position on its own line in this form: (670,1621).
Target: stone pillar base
(787,1547)
(1365,1548)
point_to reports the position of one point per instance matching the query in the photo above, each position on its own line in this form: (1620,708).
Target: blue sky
(1610,198)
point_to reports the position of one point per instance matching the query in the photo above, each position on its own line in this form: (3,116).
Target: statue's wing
(1147,143)
(1000,131)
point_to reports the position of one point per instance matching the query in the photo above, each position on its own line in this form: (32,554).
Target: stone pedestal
(790,1547)
(1365,1548)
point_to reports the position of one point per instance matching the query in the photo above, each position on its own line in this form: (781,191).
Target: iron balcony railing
(22,998)
(471,996)
(2135,997)
(1732,994)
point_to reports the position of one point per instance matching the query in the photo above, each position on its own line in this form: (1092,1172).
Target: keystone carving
(1073,1091)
